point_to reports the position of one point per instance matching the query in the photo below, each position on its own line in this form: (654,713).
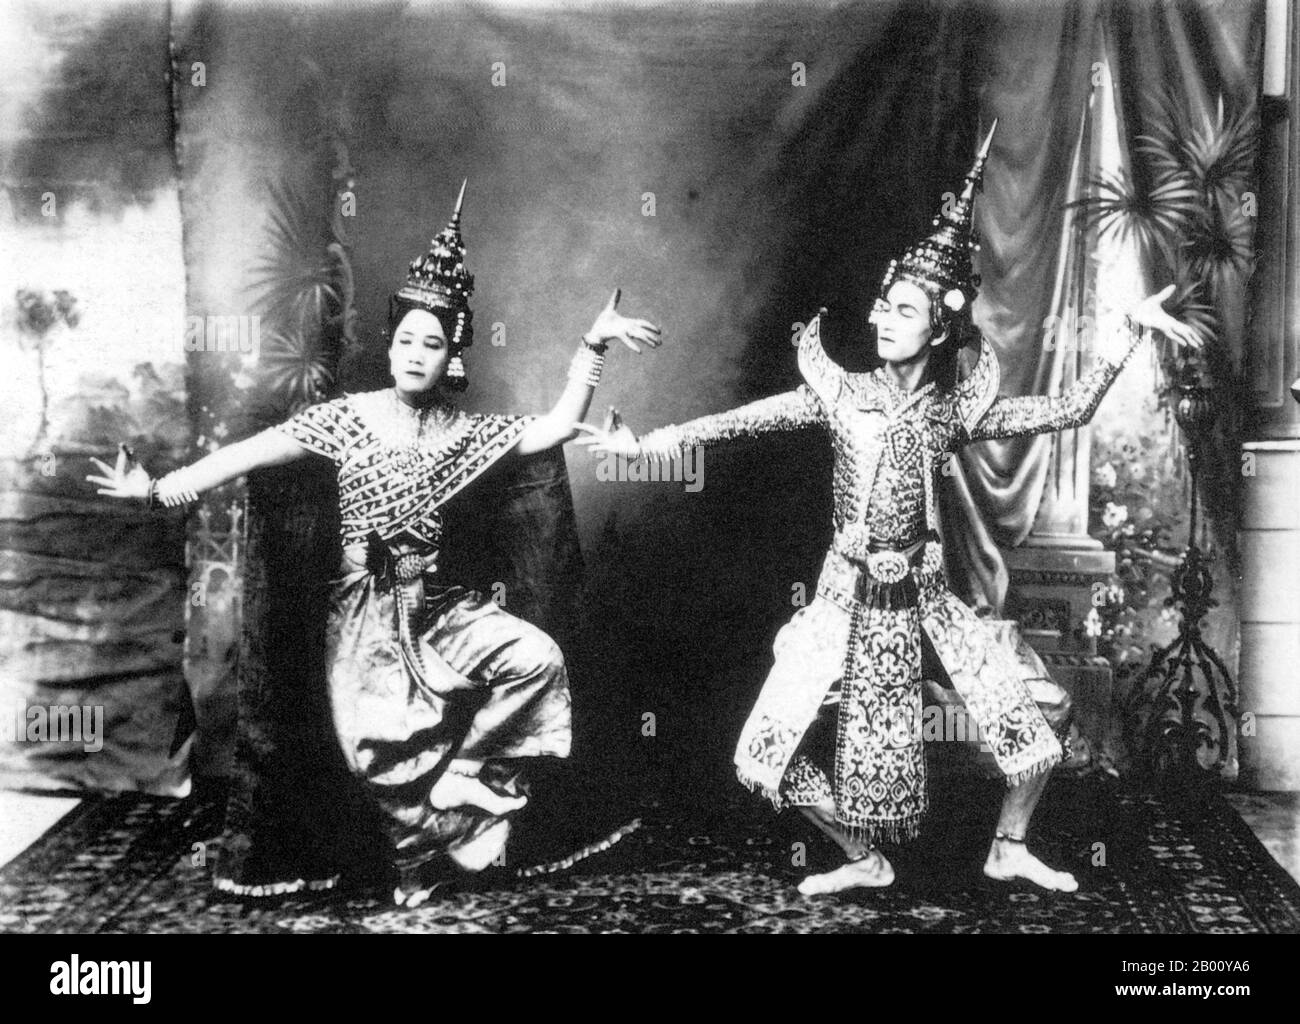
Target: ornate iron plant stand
(1186,701)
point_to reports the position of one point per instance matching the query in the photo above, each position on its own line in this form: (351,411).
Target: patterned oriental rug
(1147,864)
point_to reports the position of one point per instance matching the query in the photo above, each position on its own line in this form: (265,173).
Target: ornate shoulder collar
(833,383)
(875,390)
(979,390)
(450,456)
(396,426)
(817,368)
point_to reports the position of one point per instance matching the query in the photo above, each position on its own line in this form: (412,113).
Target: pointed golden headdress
(941,262)
(438,281)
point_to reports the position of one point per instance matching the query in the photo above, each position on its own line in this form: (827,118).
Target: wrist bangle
(595,346)
(151,495)
(586,366)
(173,495)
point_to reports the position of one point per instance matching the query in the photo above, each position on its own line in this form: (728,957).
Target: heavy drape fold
(1041,65)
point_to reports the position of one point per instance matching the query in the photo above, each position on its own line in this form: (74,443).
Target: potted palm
(304,295)
(1187,206)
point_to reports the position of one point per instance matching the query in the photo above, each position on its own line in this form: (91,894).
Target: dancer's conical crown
(438,280)
(942,260)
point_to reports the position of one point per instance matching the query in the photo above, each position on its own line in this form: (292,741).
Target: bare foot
(456,790)
(411,900)
(1007,861)
(871,872)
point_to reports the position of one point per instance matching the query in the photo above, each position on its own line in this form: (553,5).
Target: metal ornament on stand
(1186,701)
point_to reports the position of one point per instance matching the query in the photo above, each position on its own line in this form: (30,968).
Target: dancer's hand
(125,480)
(1150,313)
(614,438)
(611,325)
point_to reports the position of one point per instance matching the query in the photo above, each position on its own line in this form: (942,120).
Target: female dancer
(836,730)
(435,689)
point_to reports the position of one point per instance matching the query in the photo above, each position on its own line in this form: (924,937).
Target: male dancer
(835,731)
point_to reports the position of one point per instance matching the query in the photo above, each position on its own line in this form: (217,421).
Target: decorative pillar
(1270,528)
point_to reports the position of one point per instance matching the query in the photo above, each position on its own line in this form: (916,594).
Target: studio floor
(1146,864)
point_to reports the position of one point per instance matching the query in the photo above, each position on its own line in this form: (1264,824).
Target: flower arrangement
(1139,511)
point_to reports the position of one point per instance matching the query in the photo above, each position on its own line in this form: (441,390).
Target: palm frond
(292,366)
(1220,154)
(294,279)
(1154,217)
(1219,248)
(1162,143)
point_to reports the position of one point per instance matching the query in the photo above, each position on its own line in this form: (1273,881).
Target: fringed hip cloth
(421,674)
(862,635)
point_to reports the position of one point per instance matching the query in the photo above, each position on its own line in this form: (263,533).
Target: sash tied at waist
(392,562)
(400,568)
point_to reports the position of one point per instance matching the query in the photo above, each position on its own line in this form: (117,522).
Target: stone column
(1270,530)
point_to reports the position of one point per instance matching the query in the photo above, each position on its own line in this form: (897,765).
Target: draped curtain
(1198,55)
(1041,75)
(1063,79)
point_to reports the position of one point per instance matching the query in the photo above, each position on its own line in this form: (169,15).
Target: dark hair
(398,308)
(942,365)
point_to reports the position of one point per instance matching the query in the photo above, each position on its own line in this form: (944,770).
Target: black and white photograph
(662,466)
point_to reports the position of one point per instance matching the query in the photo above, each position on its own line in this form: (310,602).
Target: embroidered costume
(881,596)
(422,670)
(426,676)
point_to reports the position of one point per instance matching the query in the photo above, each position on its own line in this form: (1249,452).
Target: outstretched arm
(557,426)
(128,478)
(1043,414)
(1075,406)
(792,410)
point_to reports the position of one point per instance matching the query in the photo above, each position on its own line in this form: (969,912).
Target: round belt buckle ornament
(887,566)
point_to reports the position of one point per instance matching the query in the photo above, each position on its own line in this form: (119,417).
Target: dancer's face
(418,355)
(902,321)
